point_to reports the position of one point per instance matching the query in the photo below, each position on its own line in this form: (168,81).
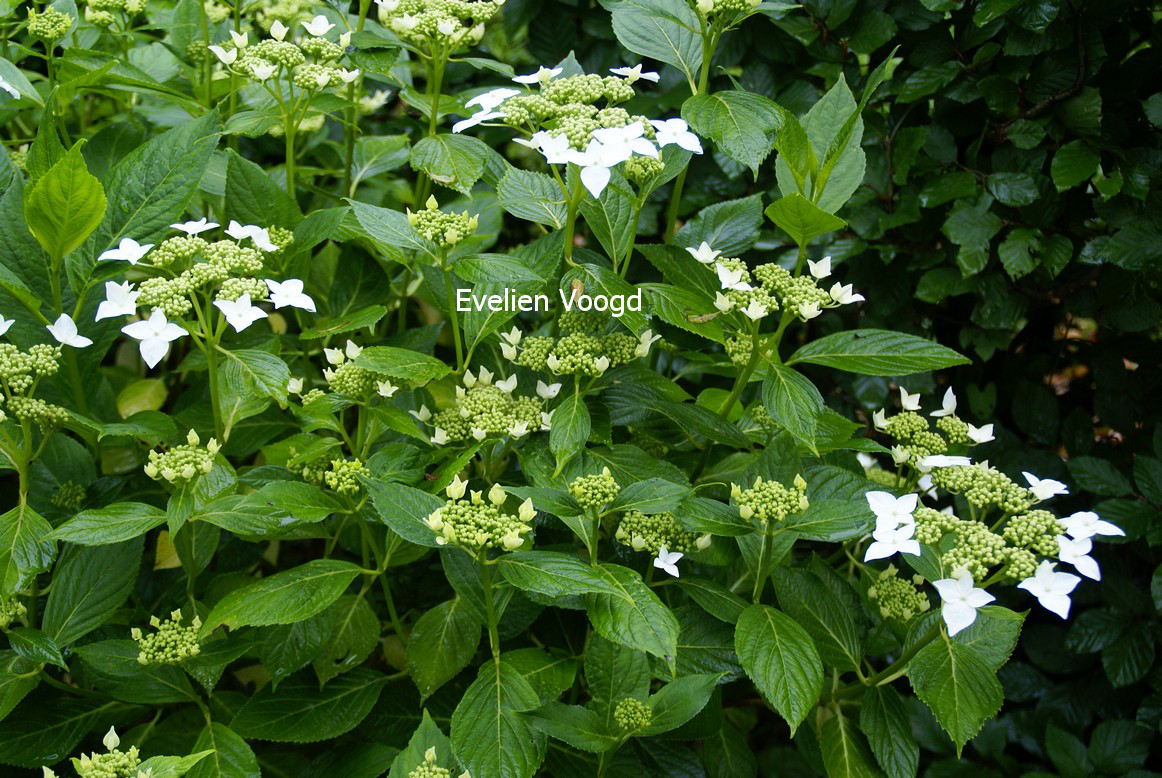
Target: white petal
(153,350)
(957,615)
(595,179)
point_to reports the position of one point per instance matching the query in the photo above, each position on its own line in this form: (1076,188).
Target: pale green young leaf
(804,221)
(65,205)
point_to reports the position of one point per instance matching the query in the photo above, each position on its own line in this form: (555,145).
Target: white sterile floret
(195,227)
(155,334)
(513,336)
(294,386)
(731,279)
(888,541)
(351,350)
(755,310)
(262,70)
(982,434)
(278,30)
(259,235)
(722,302)
(1087,524)
(385,388)
(961,600)
(645,340)
(942,460)
(842,294)
(677,132)
(880,419)
(809,310)
(526,512)
(668,560)
(456,489)
(900,455)
(1044,488)
(518,429)
(547,391)
(601,364)
(439,436)
(909,402)
(334,356)
(507,385)
(240,39)
(64,330)
(484,376)
(1076,552)
(546,421)
(289,293)
(704,253)
(1051,588)
(226,56)
(423,414)
(6,324)
(240,313)
(634,73)
(821,269)
(891,511)
(948,405)
(542,76)
(128,250)
(479,433)
(120,300)
(111,741)
(318,27)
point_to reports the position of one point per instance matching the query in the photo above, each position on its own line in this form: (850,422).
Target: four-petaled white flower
(982,434)
(722,302)
(892,511)
(909,402)
(809,310)
(634,73)
(601,364)
(351,350)
(294,386)
(439,436)
(446,26)
(821,269)
(755,310)
(645,340)
(128,250)
(546,421)
(485,376)
(195,227)
(948,405)
(547,391)
(513,336)
(880,419)
(518,429)
(1076,552)
(677,132)
(507,385)
(842,294)
(731,279)
(1086,524)
(240,313)
(278,30)
(488,102)
(386,388)
(900,455)
(289,293)
(1044,488)
(318,27)
(226,56)
(5,324)
(704,253)
(889,541)
(120,300)
(259,235)
(542,76)
(961,600)
(423,414)
(64,329)
(553,363)
(348,76)
(334,356)
(155,334)
(1051,588)
(668,560)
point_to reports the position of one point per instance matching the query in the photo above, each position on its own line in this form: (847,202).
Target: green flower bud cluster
(883,477)
(742,298)
(19,157)
(490,410)
(770,501)
(49,25)
(983,486)
(795,292)
(632,715)
(343,477)
(49,418)
(321,49)
(977,549)
(216,12)
(569,106)
(594,491)
(19,370)
(475,524)
(578,321)
(429,769)
(578,353)
(955,430)
(762,417)
(725,10)
(11,609)
(931,524)
(351,380)
(1021,563)
(1036,530)
(272,53)
(651,444)
(171,295)
(171,644)
(114,764)
(445,229)
(432,24)
(311,77)
(227,264)
(914,435)
(739,347)
(236,286)
(641,169)
(898,598)
(649,533)
(69,496)
(101,12)
(182,464)
(289,12)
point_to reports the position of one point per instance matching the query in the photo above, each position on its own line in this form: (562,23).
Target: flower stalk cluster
(171,644)
(182,464)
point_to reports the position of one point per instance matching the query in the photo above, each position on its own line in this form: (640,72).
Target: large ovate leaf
(489,736)
(778,655)
(958,685)
(877,352)
(299,711)
(283,598)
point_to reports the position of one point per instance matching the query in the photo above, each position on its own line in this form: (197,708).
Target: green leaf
(612,673)
(654,495)
(404,509)
(489,736)
(958,685)
(18,677)
(730,226)
(111,524)
(634,617)
(64,206)
(252,196)
(454,161)
(89,584)
(741,124)
(267,373)
(532,196)
(172,766)
(377,154)
(427,735)
(665,31)
(1013,189)
(25,548)
(877,352)
(1099,476)
(301,501)
(570,428)
(299,711)
(884,720)
(699,514)
(402,363)
(16,78)
(35,646)
(679,701)
(283,598)
(112,667)
(389,231)
(554,574)
(43,728)
(778,655)
(549,675)
(793,402)
(825,616)
(354,635)
(611,218)
(442,644)
(580,727)
(715,599)
(804,221)
(845,754)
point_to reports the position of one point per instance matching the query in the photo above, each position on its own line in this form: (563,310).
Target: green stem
(454,318)
(889,673)
(573,205)
(596,533)
(760,578)
(637,215)
(489,609)
(709,44)
(290,155)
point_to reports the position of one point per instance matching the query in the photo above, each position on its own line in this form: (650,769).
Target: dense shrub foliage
(637,387)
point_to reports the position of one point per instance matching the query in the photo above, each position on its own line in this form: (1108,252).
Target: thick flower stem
(454,318)
(489,608)
(595,531)
(709,44)
(290,156)
(889,673)
(760,578)
(573,204)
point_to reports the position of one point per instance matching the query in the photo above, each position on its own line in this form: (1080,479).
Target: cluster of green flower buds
(983,486)
(49,25)
(429,768)
(19,370)
(769,501)
(343,477)
(11,609)
(643,532)
(594,492)
(440,227)
(69,496)
(171,644)
(286,12)
(474,524)
(632,714)
(584,349)
(438,25)
(726,11)
(574,106)
(103,13)
(49,418)
(112,764)
(484,408)
(978,549)
(183,463)
(1036,530)
(898,598)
